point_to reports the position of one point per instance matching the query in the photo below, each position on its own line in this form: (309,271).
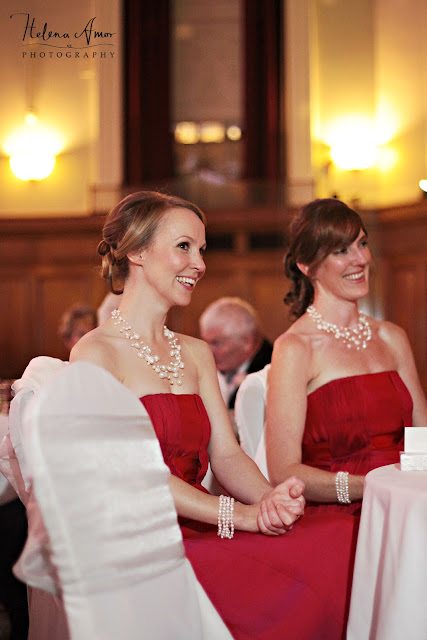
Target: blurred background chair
(102,487)
(249,416)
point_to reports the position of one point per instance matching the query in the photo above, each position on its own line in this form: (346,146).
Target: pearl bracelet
(341,484)
(225,517)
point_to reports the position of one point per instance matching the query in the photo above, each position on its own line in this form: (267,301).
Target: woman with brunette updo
(342,386)
(265,585)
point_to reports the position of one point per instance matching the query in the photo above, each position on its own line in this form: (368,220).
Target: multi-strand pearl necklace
(174,370)
(359,336)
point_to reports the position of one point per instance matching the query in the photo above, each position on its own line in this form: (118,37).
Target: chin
(360,294)
(183,301)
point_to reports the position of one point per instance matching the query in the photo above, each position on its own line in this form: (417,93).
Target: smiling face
(173,263)
(344,273)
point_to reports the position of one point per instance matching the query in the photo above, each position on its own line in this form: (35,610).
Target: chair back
(102,487)
(249,415)
(13,464)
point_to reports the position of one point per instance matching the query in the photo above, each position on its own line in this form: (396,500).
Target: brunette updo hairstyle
(322,226)
(130,227)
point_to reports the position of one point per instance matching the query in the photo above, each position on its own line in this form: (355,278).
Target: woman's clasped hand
(281,507)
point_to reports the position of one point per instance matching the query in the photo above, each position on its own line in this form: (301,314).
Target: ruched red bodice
(356,424)
(183,429)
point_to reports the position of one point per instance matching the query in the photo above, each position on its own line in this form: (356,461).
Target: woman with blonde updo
(152,250)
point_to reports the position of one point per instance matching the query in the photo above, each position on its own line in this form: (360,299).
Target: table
(389,594)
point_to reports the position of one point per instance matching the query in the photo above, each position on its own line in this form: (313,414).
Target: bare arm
(398,343)
(285,422)
(265,515)
(234,470)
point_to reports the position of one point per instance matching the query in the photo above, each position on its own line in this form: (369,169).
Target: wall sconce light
(423,186)
(353,144)
(354,156)
(32,150)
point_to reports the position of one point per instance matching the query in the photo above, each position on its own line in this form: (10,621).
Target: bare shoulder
(96,347)
(295,345)
(393,335)
(198,349)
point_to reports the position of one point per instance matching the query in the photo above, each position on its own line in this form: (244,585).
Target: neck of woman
(147,316)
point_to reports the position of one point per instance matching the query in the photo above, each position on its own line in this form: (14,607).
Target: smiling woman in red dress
(264,586)
(342,386)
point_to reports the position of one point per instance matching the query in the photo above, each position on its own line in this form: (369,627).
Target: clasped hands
(281,507)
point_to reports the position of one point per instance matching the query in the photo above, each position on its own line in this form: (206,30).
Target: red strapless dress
(356,424)
(294,586)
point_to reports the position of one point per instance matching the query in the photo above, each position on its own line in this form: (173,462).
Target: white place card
(416,440)
(414,458)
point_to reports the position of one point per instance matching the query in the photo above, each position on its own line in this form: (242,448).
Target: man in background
(231,328)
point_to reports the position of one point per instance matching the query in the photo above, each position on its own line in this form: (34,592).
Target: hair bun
(103,248)
(291,267)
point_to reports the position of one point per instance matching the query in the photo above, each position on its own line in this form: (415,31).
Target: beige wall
(78,98)
(368,59)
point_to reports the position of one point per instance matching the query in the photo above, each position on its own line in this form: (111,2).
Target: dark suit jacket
(258,362)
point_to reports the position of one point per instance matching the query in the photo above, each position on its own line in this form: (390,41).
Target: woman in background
(153,247)
(75,323)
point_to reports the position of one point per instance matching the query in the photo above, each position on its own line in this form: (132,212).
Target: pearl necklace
(359,336)
(172,371)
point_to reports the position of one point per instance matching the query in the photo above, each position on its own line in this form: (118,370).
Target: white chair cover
(102,487)
(13,464)
(7,492)
(47,617)
(249,415)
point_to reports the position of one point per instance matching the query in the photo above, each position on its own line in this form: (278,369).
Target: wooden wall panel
(16,321)
(56,291)
(45,267)
(268,290)
(402,242)
(406,305)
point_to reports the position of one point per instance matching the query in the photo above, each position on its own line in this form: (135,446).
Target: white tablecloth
(389,595)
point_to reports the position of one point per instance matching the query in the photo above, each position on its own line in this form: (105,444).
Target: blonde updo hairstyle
(130,227)
(321,227)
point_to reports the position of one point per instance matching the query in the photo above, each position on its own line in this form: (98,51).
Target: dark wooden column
(263,46)
(147,131)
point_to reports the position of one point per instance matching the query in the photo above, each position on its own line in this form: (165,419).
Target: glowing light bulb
(234,132)
(32,150)
(187,133)
(26,166)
